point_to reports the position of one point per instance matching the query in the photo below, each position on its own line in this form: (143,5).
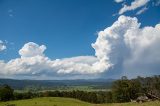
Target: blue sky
(66,27)
(61,25)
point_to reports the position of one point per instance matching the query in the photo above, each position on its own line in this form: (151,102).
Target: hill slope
(55,101)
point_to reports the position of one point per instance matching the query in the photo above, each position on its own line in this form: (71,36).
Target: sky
(79,39)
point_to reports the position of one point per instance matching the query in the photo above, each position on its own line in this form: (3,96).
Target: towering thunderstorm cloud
(123,43)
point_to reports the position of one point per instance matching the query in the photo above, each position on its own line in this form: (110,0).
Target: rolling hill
(55,101)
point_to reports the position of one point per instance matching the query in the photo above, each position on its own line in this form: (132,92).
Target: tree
(121,90)
(108,97)
(135,89)
(124,90)
(6,93)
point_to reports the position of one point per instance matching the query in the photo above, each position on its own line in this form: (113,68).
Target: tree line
(122,90)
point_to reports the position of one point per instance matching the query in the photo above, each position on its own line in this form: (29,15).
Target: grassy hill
(56,101)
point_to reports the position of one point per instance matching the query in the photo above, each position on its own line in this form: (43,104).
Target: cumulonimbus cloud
(123,42)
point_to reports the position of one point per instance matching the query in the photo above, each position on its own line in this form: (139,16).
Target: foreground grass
(56,101)
(47,101)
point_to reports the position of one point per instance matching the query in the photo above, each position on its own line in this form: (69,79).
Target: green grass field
(56,101)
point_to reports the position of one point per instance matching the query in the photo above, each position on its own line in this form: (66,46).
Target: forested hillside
(122,90)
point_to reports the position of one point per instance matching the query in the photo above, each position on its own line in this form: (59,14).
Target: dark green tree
(6,93)
(121,90)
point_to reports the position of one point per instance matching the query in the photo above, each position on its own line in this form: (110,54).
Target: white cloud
(124,42)
(144,50)
(141,11)
(2,46)
(134,5)
(32,49)
(34,62)
(118,1)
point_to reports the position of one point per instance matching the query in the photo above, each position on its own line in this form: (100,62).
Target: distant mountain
(21,84)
